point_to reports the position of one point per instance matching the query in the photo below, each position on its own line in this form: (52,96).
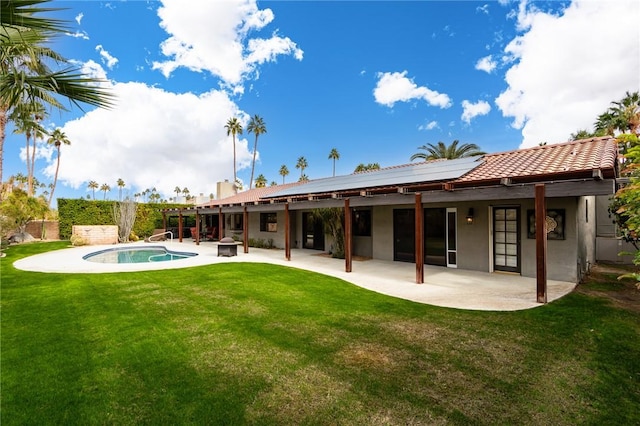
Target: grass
(263,344)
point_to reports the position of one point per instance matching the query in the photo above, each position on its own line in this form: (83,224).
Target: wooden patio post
(419,235)
(287,233)
(220,223)
(245,224)
(541,244)
(180,226)
(197,236)
(347,236)
(164,221)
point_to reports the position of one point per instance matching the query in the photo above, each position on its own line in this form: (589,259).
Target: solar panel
(432,171)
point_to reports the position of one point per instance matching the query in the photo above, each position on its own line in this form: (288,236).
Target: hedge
(97,212)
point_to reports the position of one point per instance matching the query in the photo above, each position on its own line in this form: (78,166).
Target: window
(236,222)
(268,222)
(362,223)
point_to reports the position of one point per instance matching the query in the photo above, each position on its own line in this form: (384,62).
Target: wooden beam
(347,236)
(220,223)
(419,234)
(197,229)
(287,233)
(180,226)
(164,221)
(245,225)
(541,244)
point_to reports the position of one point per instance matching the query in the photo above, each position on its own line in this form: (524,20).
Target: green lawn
(263,344)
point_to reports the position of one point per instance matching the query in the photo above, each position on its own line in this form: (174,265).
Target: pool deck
(444,287)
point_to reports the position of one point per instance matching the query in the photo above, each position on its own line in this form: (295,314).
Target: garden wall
(96,234)
(51,229)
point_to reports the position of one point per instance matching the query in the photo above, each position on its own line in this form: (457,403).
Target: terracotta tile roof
(548,161)
(251,195)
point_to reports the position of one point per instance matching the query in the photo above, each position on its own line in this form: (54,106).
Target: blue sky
(373,79)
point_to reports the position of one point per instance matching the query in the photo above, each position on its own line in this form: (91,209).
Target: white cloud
(216,39)
(79,17)
(483,9)
(107,59)
(149,141)
(429,126)
(568,68)
(486,64)
(396,87)
(471,110)
(79,34)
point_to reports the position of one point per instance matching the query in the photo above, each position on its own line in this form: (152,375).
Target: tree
(302,164)
(366,167)
(124,215)
(623,116)
(625,206)
(177,190)
(105,188)
(284,171)
(334,155)
(120,184)
(332,220)
(185,191)
(257,127)
(234,128)
(441,150)
(25,77)
(19,209)
(27,118)
(93,185)
(57,138)
(303,178)
(261,181)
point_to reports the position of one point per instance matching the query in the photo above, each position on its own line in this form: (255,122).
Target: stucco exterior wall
(256,233)
(586,225)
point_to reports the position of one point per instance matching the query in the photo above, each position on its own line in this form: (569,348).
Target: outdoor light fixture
(470,216)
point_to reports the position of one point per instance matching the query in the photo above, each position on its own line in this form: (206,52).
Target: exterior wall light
(470,216)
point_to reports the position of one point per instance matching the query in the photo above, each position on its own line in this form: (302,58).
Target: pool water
(137,255)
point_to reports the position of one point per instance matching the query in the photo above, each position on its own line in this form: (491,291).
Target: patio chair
(194,232)
(212,233)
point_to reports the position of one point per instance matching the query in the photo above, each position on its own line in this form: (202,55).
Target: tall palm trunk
(55,177)
(3,127)
(253,163)
(28,161)
(234,160)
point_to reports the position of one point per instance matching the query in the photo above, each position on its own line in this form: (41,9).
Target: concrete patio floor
(443,287)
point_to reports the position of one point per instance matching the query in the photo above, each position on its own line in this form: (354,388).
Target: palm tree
(442,151)
(366,167)
(303,178)
(234,128)
(623,116)
(120,184)
(334,155)
(284,171)
(185,191)
(26,118)
(261,181)
(257,127)
(56,139)
(27,78)
(93,185)
(177,190)
(105,188)
(302,164)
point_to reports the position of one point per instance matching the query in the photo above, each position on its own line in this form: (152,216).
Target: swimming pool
(146,254)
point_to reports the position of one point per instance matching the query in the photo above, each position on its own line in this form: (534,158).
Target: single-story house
(529,211)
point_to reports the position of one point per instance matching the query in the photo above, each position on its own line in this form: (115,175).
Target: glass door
(452,238)
(506,239)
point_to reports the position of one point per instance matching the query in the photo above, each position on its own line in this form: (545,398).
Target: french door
(506,239)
